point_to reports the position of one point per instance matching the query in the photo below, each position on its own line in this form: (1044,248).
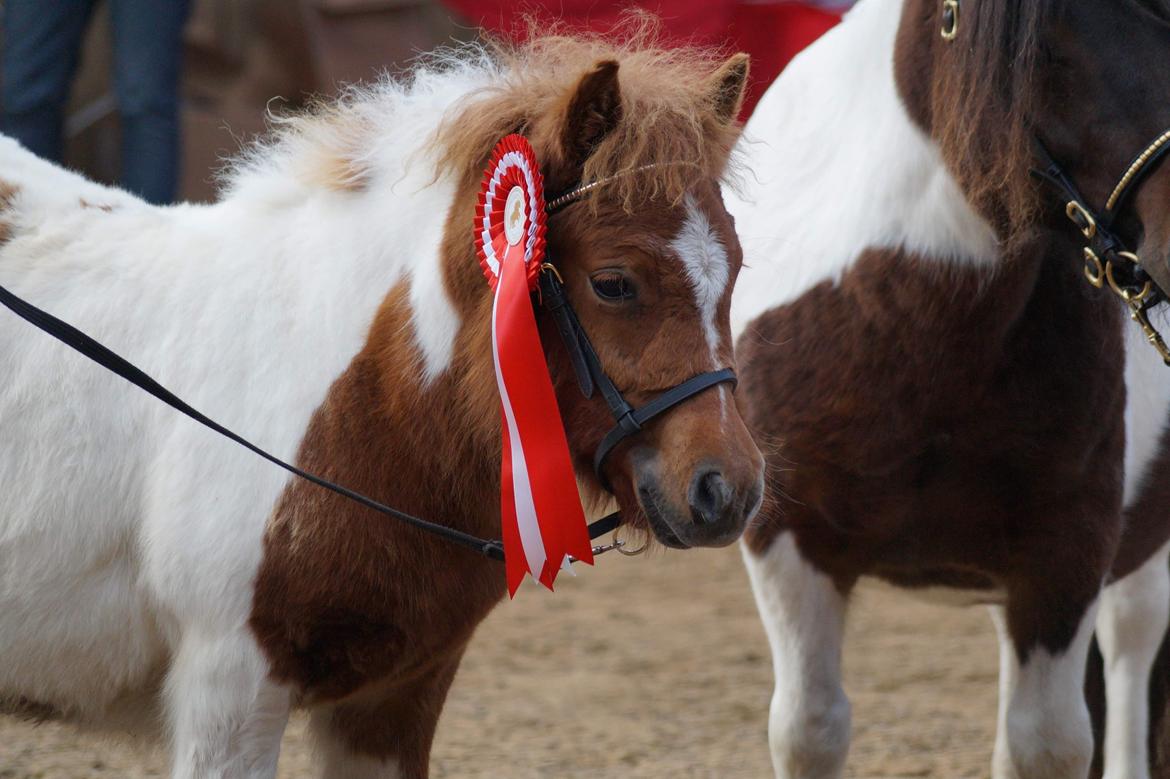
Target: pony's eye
(612,287)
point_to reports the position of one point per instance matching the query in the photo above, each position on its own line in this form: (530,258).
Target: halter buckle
(1094,270)
(1080,216)
(548,267)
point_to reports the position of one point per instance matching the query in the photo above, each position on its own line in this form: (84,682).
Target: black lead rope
(79,341)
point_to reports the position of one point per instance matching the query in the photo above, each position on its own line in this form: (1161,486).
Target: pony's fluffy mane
(669,126)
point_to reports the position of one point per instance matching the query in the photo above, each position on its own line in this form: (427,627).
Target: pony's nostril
(709,497)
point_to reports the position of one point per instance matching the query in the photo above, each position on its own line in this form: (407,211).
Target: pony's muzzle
(712,511)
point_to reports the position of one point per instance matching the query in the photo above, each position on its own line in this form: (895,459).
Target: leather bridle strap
(103,356)
(1095,228)
(637,418)
(591,374)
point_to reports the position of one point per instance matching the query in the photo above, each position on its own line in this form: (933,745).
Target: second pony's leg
(1131,624)
(1044,730)
(804,617)
(225,714)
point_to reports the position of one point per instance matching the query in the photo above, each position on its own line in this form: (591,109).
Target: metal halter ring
(1094,270)
(621,546)
(1127,295)
(1081,218)
(950,25)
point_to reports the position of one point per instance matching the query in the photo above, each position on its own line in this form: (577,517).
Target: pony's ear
(594,111)
(727,86)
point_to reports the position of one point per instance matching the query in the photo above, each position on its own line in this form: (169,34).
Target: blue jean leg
(148,51)
(42,39)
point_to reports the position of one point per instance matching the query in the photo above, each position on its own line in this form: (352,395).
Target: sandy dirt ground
(651,667)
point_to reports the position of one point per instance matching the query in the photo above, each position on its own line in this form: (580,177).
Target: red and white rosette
(542,522)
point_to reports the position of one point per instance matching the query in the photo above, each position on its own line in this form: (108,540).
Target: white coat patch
(705,260)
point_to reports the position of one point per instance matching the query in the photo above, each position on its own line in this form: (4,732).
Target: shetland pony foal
(331,307)
(954,406)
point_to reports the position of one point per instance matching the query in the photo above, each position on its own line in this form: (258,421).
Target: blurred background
(238,55)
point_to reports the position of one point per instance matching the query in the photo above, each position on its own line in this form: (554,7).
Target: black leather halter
(591,375)
(1106,256)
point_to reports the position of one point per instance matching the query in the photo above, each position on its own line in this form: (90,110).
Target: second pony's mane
(453,105)
(986,89)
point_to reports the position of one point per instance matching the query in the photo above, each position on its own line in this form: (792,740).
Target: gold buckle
(1094,271)
(548,266)
(1088,226)
(950,25)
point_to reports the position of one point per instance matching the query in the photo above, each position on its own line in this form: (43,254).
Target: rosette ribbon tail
(540,506)
(540,509)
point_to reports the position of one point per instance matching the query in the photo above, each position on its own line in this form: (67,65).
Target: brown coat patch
(937,427)
(339,599)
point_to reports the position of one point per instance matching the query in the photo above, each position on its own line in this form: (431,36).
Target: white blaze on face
(705,260)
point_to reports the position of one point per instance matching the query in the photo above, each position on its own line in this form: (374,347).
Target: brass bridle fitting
(950,20)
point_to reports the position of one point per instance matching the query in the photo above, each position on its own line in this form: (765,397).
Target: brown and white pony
(950,406)
(330,307)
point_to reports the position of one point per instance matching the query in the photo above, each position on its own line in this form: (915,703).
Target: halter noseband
(1107,258)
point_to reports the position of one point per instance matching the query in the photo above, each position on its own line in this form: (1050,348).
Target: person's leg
(148,50)
(42,39)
